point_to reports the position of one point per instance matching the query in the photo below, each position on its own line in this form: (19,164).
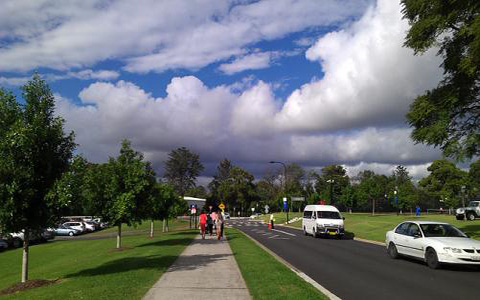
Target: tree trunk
(26,241)
(167,224)
(163,225)
(151,229)
(119,236)
(373,207)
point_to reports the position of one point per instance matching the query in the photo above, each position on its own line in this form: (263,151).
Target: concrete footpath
(206,269)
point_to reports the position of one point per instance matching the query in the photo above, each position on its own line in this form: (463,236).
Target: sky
(309,82)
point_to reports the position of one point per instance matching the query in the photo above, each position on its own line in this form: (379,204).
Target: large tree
(182,169)
(445,182)
(448,116)
(34,152)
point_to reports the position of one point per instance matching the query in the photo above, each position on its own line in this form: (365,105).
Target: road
(357,270)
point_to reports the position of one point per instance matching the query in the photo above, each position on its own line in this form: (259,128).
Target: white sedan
(433,242)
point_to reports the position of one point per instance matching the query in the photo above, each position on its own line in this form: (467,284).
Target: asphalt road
(357,270)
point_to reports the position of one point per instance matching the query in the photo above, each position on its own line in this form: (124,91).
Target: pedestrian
(203,223)
(210,224)
(223,223)
(214,220)
(219,225)
(272,221)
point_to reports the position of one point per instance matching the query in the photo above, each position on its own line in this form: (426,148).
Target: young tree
(34,152)
(223,173)
(161,201)
(448,116)
(128,189)
(182,169)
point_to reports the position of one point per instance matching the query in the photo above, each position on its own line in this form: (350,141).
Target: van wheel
(315,234)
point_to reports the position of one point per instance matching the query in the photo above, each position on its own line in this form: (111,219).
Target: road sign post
(285,206)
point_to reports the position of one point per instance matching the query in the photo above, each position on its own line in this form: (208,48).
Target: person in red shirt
(203,223)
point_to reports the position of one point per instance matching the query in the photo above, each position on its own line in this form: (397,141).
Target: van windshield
(328,215)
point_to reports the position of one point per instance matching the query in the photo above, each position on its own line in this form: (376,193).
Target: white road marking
(273,236)
(291,234)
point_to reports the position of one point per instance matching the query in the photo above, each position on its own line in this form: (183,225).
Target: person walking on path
(203,223)
(214,216)
(210,224)
(219,225)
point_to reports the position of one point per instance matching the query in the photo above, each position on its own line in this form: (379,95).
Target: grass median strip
(266,277)
(92,270)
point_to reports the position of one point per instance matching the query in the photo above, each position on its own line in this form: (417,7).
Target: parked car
(227,215)
(76,225)
(90,226)
(323,220)
(472,211)
(3,244)
(16,239)
(65,230)
(433,242)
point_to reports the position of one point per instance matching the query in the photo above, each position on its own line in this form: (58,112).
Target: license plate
(475,258)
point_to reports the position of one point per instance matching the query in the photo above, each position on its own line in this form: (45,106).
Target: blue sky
(310,82)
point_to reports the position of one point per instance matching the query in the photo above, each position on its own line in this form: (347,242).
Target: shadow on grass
(170,242)
(128,264)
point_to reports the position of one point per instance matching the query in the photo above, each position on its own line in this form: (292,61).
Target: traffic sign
(221,206)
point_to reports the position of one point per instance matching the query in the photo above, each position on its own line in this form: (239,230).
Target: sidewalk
(206,269)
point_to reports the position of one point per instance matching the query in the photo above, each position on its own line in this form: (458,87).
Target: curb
(354,238)
(302,275)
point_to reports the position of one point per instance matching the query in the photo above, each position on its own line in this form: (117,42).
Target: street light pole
(331,181)
(285,180)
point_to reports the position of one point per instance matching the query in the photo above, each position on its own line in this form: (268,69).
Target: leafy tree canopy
(182,168)
(448,116)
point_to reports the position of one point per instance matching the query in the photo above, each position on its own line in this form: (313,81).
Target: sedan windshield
(441,230)
(328,215)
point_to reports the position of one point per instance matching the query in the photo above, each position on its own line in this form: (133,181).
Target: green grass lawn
(267,278)
(91,270)
(366,226)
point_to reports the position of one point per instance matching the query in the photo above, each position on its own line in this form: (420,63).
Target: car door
(399,238)
(414,240)
(313,222)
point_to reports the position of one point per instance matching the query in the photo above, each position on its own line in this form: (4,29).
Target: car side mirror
(417,235)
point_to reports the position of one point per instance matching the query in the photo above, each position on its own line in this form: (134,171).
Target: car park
(16,239)
(90,226)
(76,225)
(65,230)
(433,242)
(323,220)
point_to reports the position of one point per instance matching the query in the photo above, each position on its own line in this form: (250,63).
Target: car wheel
(459,217)
(471,216)
(392,251)
(70,233)
(432,259)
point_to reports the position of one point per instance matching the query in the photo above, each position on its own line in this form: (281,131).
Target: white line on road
(291,234)
(273,236)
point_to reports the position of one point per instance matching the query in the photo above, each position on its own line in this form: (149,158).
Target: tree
(370,189)
(223,173)
(181,169)
(448,116)
(34,152)
(407,195)
(239,189)
(444,182)
(333,181)
(128,189)
(161,201)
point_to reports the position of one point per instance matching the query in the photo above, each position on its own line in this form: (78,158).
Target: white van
(323,220)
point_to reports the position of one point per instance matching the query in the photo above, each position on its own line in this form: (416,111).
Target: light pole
(285,180)
(331,181)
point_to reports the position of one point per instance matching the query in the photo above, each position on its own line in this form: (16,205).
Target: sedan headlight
(453,250)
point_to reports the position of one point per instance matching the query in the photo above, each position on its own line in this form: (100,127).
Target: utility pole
(285,181)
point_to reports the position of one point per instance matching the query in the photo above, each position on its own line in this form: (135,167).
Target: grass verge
(91,270)
(266,277)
